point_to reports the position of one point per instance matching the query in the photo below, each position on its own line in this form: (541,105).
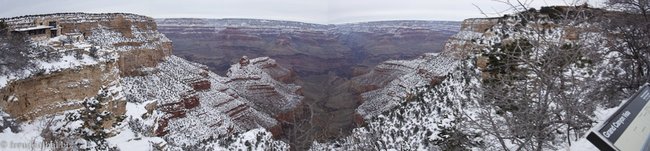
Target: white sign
(628,128)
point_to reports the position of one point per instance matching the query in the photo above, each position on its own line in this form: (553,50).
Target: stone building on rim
(40,29)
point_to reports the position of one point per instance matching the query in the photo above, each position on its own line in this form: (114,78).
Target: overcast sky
(313,11)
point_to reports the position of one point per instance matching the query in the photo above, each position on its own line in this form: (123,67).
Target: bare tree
(632,26)
(533,94)
(633,6)
(14,49)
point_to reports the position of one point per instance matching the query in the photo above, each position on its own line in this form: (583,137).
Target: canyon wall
(405,109)
(197,105)
(134,36)
(57,92)
(392,83)
(322,58)
(309,49)
(395,82)
(126,56)
(106,47)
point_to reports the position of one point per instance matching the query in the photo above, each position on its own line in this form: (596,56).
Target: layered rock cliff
(125,64)
(169,103)
(323,57)
(392,82)
(135,37)
(307,48)
(456,111)
(100,49)
(196,107)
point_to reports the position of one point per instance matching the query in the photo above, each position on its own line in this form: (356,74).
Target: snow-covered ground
(214,119)
(582,144)
(126,139)
(445,117)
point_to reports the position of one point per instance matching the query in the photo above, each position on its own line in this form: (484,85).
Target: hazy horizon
(309,11)
(387,20)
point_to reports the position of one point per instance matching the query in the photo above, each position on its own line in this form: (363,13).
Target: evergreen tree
(94,117)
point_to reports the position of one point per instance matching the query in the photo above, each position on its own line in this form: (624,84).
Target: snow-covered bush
(87,128)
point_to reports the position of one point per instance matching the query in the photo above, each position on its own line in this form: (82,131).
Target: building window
(53,33)
(36,32)
(52,23)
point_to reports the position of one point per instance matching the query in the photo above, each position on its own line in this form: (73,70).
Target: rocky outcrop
(61,91)
(257,80)
(134,36)
(445,109)
(199,105)
(393,82)
(396,80)
(132,62)
(201,85)
(175,110)
(95,51)
(471,29)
